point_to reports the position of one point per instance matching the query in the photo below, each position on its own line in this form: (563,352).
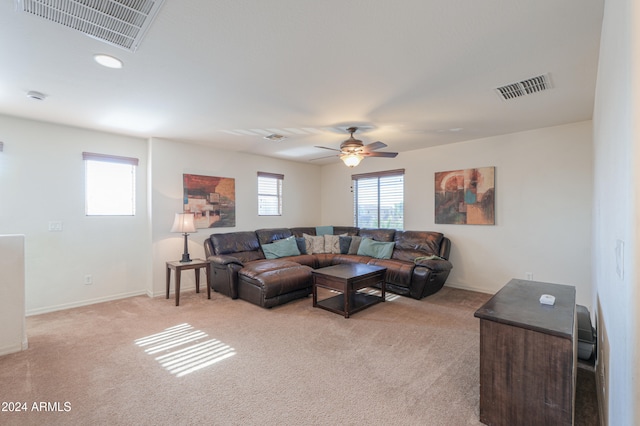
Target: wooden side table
(178,266)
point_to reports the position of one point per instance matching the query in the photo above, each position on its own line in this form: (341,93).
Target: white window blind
(270,194)
(379,199)
(110,183)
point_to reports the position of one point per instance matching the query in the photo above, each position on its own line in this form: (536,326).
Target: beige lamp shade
(183,223)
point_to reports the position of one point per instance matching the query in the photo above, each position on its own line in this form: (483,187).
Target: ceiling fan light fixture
(36,96)
(353,150)
(352,159)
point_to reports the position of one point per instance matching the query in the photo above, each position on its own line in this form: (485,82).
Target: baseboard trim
(183,289)
(468,287)
(78,304)
(10,349)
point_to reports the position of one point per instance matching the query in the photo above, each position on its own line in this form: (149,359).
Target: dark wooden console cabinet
(528,355)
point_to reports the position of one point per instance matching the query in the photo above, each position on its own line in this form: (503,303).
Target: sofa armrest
(445,248)
(427,280)
(224,274)
(225,259)
(434,263)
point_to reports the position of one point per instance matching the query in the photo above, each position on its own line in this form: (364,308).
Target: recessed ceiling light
(108,61)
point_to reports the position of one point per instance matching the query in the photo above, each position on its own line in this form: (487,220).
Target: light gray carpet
(403,362)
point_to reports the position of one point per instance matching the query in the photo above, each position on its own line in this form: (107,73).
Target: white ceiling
(417,73)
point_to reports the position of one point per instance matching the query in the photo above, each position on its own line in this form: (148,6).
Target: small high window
(270,194)
(110,185)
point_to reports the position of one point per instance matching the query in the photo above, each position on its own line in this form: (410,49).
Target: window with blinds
(110,185)
(270,194)
(379,199)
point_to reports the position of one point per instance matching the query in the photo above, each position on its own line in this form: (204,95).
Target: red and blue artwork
(465,196)
(211,199)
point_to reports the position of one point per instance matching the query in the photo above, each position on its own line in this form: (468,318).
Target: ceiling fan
(353,150)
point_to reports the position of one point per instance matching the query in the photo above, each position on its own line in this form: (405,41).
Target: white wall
(13,333)
(543,206)
(42,175)
(170,160)
(616,210)
(42,172)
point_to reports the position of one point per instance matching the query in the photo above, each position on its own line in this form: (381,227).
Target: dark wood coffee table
(348,278)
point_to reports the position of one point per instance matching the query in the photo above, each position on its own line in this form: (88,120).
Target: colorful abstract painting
(212,200)
(465,196)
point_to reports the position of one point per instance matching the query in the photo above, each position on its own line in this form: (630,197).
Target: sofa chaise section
(239,270)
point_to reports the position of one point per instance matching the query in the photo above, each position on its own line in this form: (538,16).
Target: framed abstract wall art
(212,200)
(465,196)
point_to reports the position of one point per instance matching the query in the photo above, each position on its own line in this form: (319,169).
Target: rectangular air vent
(524,87)
(122,23)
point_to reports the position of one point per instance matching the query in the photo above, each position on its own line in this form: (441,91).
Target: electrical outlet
(529,275)
(88,279)
(55,226)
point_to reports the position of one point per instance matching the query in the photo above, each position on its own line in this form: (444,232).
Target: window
(269,194)
(110,184)
(379,199)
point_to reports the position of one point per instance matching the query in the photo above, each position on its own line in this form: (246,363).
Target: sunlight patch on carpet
(182,349)
(375,292)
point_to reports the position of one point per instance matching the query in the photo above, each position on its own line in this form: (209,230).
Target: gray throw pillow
(355,245)
(302,246)
(345,242)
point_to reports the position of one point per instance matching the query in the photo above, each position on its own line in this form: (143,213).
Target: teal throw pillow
(377,249)
(322,230)
(281,248)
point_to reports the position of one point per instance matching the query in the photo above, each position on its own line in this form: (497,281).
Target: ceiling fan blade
(374,145)
(322,158)
(324,147)
(381,154)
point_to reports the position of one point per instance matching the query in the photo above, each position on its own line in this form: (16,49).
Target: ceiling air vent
(122,23)
(524,87)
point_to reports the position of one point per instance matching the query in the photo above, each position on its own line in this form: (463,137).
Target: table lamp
(183,223)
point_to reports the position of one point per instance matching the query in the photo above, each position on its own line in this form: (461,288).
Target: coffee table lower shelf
(358,301)
(347,279)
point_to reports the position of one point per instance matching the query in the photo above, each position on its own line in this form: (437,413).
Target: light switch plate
(620,259)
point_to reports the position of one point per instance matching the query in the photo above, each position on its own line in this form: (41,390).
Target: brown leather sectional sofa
(417,267)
